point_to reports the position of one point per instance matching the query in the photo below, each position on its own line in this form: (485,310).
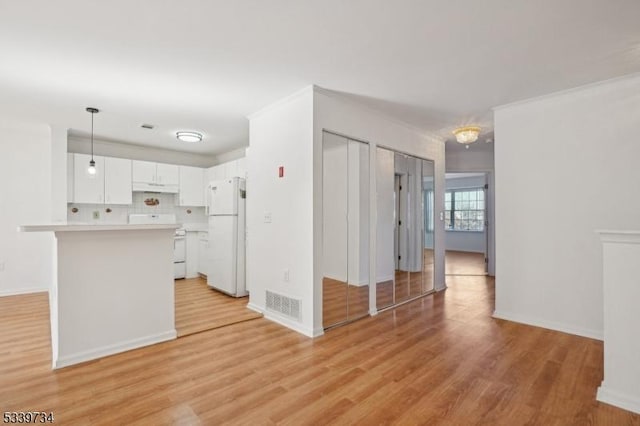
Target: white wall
(474,242)
(282,135)
(566,165)
(58,174)
(289,133)
(335,113)
(25,198)
(470,160)
(138,152)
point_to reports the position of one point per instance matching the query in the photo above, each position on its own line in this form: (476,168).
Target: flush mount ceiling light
(467,134)
(189,137)
(92,164)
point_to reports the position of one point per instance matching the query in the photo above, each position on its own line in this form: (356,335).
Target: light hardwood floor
(464,263)
(199,308)
(441,360)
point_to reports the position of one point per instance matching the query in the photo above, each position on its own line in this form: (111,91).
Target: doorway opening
(466,224)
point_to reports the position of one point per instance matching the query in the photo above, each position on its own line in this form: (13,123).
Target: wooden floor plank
(200,308)
(438,360)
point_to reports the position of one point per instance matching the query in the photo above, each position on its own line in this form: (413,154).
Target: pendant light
(92,164)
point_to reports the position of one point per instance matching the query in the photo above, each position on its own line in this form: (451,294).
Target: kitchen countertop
(67,227)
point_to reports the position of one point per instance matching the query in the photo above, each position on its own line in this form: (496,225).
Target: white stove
(179,241)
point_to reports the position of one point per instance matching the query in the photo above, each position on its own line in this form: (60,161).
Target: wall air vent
(147,126)
(284,305)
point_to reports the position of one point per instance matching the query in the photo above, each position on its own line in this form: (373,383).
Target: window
(464,209)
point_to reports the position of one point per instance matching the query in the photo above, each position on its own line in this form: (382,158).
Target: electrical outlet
(267,217)
(96,214)
(286,276)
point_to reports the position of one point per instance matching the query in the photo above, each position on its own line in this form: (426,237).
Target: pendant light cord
(92,114)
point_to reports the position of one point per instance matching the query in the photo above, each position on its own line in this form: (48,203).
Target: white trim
(384,279)
(114,349)
(17,292)
(623,237)
(281,102)
(550,325)
(286,322)
(255,308)
(618,399)
(567,91)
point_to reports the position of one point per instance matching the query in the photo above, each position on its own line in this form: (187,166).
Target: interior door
(346,229)
(335,231)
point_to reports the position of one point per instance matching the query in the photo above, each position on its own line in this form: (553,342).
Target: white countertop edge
(74,228)
(195,227)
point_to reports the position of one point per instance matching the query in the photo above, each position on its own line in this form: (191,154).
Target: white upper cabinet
(143,171)
(117,181)
(88,189)
(191,186)
(110,185)
(168,174)
(155,173)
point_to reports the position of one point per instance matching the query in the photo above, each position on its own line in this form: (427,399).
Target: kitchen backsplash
(120,214)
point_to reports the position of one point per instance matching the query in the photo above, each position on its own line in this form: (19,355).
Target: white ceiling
(205,65)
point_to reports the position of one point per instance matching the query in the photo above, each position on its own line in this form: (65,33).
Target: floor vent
(284,305)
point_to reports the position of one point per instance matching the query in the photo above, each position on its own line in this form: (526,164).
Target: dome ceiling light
(189,137)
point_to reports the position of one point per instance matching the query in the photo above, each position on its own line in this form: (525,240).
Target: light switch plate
(96,214)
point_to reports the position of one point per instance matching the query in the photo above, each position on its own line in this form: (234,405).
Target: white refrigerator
(226,206)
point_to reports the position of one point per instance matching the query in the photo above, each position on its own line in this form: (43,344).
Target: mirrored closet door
(345,284)
(405,227)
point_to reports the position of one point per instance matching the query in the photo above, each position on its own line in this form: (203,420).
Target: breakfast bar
(112,289)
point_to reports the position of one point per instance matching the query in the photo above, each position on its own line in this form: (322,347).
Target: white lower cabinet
(193,258)
(203,252)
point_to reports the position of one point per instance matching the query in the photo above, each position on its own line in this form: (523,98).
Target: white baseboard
(618,399)
(286,322)
(363,283)
(20,291)
(255,308)
(103,351)
(551,325)
(293,325)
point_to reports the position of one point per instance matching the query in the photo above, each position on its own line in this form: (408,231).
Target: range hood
(154,187)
